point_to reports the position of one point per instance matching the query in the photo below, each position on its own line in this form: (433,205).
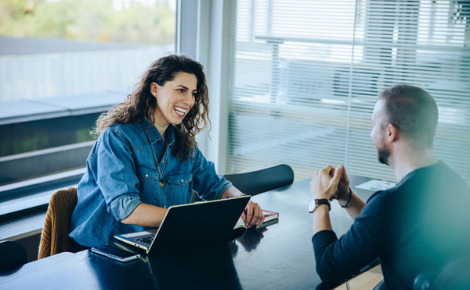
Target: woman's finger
(249,214)
(261,216)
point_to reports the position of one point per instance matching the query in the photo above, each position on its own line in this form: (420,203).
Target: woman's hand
(252,215)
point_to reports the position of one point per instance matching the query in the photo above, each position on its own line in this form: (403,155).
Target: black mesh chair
(256,182)
(12,255)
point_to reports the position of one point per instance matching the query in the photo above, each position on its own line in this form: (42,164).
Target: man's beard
(383,154)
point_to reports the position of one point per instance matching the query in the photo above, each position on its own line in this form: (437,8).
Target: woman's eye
(181,90)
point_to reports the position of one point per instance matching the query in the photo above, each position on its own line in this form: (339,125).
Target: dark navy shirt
(420,224)
(122,173)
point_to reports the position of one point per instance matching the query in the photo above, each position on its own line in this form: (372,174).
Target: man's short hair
(413,112)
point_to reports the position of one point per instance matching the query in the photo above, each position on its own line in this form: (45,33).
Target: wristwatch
(314,203)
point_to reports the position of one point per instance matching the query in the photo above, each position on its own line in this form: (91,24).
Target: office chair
(256,182)
(55,234)
(346,282)
(455,275)
(12,255)
(380,286)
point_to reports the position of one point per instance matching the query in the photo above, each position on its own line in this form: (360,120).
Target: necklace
(161,172)
(162,184)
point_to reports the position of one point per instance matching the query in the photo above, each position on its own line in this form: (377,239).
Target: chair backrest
(12,255)
(259,181)
(454,275)
(55,233)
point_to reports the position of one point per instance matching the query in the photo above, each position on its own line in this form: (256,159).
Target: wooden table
(277,257)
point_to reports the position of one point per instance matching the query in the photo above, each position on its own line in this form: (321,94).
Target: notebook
(270,218)
(190,226)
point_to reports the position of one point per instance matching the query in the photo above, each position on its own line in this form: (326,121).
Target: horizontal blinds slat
(305,76)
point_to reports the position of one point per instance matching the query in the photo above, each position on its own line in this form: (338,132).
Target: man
(420,224)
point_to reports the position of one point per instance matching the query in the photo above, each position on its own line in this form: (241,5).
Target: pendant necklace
(161,172)
(162,184)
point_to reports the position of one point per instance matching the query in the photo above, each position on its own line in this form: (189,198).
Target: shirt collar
(153,134)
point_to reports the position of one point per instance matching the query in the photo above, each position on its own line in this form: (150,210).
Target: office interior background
(290,82)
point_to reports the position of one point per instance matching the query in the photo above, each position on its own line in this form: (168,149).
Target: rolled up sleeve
(207,183)
(116,176)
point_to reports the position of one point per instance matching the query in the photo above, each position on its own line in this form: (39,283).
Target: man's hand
(342,194)
(252,215)
(325,182)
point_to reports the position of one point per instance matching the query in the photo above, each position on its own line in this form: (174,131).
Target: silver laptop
(190,226)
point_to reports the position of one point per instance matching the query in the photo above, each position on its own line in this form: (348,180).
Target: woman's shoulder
(128,132)
(195,153)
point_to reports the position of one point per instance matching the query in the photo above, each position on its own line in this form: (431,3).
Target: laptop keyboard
(146,240)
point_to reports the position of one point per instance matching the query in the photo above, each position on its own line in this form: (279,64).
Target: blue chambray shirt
(121,174)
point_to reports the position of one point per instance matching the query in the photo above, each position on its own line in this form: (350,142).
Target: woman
(146,157)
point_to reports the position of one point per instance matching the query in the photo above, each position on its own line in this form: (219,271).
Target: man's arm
(339,259)
(345,196)
(354,206)
(321,219)
(324,186)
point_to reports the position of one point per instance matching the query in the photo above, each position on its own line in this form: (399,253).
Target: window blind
(305,76)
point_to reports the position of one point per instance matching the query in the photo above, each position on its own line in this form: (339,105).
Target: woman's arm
(210,186)
(146,215)
(231,192)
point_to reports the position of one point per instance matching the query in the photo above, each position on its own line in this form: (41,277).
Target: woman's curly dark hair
(141,104)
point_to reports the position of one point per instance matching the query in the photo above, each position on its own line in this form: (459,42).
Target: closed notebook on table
(270,218)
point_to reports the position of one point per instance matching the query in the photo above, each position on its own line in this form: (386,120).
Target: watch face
(311,205)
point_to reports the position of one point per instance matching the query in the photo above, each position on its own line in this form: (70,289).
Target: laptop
(190,226)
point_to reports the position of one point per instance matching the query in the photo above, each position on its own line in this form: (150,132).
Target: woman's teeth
(180,111)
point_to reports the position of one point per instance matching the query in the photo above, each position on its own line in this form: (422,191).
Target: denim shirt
(122,173)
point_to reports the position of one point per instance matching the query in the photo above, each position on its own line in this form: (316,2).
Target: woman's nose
(189,99)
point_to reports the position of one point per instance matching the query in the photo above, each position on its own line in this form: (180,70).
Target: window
(306,75)
(66,47)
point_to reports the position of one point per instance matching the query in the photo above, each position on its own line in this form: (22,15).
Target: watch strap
(314,203)
(321,201)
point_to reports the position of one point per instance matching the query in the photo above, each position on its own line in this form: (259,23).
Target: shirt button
(146,175)
(182,180)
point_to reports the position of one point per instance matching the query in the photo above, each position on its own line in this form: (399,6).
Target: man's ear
(391,133)
(154,89)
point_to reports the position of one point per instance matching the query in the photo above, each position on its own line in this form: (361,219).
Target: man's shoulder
(452,176)
(384,194)
(436,177)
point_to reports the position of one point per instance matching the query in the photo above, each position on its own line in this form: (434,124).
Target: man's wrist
(343,196)
(314,203)
(345,202)
(319,207)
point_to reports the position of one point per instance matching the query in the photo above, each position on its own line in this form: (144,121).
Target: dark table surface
(277,257)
